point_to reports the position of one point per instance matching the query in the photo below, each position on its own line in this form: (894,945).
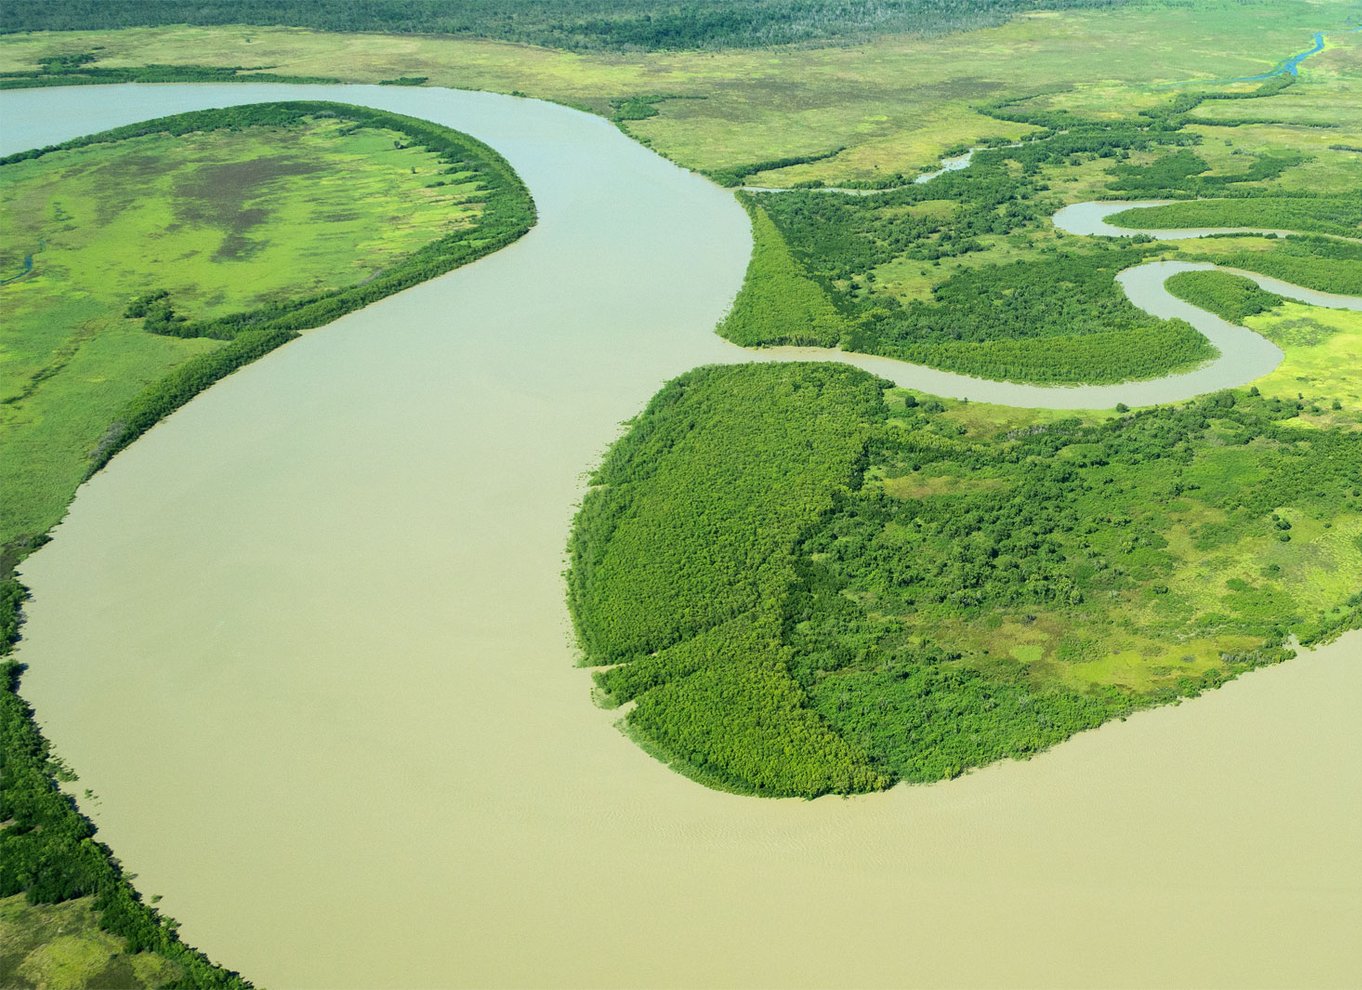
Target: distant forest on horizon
(578,25)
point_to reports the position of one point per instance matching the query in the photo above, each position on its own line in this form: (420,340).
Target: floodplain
(1128,557)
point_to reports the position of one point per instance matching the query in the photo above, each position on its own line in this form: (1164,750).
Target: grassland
(61,945)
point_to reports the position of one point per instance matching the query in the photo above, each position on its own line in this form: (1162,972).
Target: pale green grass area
(59,947)
(224,220)
(1323,353)
(908,278)
(897,104)
(1147,640)
(1214,574)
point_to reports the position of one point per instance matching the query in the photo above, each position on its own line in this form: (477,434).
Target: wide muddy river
(307,642)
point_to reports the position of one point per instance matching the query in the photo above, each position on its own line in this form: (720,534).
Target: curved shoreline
(290,607)
(1244,355)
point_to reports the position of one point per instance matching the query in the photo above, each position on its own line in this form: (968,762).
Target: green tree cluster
(683,552)
(779,303)
(1231,297)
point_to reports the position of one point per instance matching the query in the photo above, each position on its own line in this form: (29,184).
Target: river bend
(307,642)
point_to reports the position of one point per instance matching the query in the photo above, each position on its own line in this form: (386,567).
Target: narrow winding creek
(306,641)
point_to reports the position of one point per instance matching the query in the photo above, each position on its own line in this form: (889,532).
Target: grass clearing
(56,946)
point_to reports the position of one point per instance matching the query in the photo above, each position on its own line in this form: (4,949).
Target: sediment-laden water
(307,642)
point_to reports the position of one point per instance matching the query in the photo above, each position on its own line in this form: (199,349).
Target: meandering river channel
(306,640)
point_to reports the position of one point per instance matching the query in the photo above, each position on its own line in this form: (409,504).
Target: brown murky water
(307,642)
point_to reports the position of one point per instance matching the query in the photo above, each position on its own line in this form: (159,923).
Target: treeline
(161,398)
(1230,297)
(735,175)
(1057,319)
(1319,263)
(778,303)
(57,73)
(579,25)
(1341,215)
(683,551)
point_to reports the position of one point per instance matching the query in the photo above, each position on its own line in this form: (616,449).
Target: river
(306,640)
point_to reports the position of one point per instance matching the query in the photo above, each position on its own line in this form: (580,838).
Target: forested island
(909,588)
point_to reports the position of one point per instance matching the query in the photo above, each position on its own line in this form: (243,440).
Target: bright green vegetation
(1061,319)
(581,25)
(1340,215)
(778,303)
(1231,297)
(683,552)
(61,945)
(250,225)
(1324,351)
(902,589)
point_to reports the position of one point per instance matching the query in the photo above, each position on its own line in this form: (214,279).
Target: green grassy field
(61,945)
(225,222)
